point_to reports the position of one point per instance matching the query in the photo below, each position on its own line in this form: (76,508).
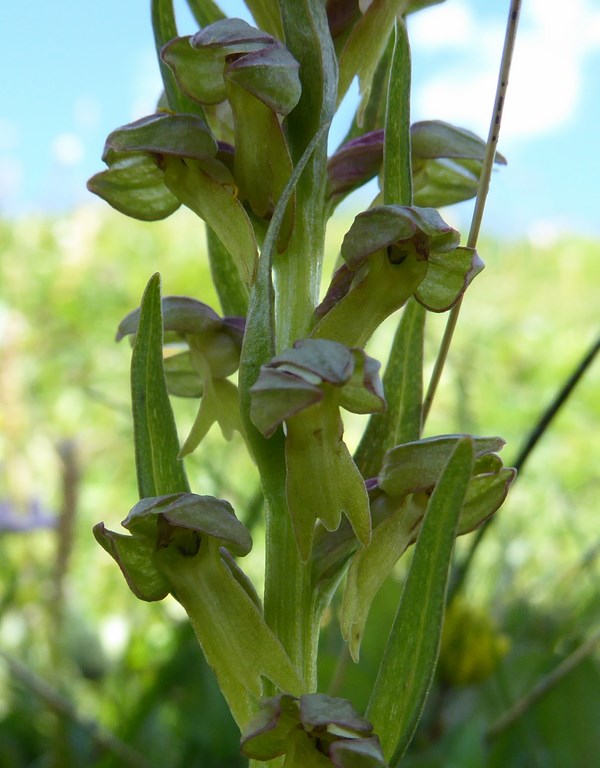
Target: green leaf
(371,566)
(208,190)
(165,28)
(232,291)
(259,338)
(408,664)
(366,44)
(267,16)
(205,11)
(134,185)
(158,469)
(403,388)
(397,168)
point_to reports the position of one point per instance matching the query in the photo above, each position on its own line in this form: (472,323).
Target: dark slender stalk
(63,708)
(482,191)
(542,687)
(531,441)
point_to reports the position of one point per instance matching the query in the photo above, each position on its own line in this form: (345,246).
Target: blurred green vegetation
(91,676)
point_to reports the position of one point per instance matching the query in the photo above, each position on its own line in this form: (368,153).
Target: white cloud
(450,25)
(11,178)
(87,112)
(68,149)
(546,76)
(147,85)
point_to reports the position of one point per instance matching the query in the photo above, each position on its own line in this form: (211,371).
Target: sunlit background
(73,71)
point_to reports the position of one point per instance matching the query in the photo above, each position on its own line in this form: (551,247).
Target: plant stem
(288,592)
(482,191)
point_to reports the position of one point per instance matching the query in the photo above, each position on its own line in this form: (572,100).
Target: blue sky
(74,70)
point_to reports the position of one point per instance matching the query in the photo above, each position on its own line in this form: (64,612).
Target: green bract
(213,354)
(392,252)
(305,387)
(314,730)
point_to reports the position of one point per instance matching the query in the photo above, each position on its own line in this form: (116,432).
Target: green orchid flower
(304,388)
(314,730)
(202,370)
(391,253)
(181,544)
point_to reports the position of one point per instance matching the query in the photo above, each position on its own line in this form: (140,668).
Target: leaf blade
(409,661)
(158,469)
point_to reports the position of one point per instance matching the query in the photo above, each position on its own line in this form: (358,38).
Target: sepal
(315,730)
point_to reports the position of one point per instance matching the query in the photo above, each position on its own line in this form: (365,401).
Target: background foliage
(85,668)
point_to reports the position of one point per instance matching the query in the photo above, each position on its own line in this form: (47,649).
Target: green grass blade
(158,469)
(408,664)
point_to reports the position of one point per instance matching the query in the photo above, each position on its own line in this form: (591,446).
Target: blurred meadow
(90,676)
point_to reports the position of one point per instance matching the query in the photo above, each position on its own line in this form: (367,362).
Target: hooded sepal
(389,252)
(134,182)
(315,730)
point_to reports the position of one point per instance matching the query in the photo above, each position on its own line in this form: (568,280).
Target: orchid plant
(240,138)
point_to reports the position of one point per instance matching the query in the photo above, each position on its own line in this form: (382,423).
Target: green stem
(288,591)
(298,270)
(482,191)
